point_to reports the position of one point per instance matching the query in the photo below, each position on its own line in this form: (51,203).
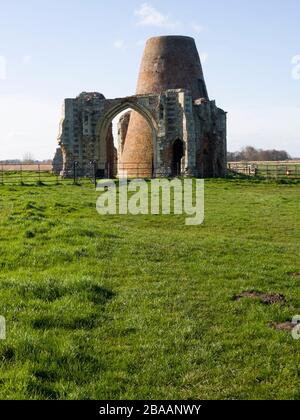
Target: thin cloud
(149,16)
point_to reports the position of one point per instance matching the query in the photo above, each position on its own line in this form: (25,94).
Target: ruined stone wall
(173,128)
(78,137)
(211,144)
(187,136)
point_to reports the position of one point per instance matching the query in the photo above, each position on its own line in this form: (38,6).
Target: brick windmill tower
(169,62)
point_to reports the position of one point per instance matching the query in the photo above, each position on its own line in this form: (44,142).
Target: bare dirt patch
(283,326)
(295,274)
(265,298)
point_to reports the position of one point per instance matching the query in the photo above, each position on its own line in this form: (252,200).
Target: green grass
(142,307)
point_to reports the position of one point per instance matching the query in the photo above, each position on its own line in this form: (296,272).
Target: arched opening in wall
(177,155)
(107,162)
(137,157)
(120,125)
(134,139)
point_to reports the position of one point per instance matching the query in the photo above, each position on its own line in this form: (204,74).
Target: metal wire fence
(40,174)
(75,173)
(268,170)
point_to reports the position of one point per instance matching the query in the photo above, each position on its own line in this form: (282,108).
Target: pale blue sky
(50,50)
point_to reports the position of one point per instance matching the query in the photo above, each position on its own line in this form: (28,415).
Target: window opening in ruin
(178,153)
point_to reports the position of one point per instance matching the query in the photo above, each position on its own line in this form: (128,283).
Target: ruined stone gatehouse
(171,127)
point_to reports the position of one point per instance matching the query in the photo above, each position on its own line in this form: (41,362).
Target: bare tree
(250,154)
(28,158)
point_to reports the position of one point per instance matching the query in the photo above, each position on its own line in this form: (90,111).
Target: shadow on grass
(53,321)
(51,290)
(41,389)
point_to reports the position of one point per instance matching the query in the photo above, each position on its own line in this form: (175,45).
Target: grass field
(143,307)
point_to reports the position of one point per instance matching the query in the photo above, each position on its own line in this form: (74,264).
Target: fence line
(38,174)
(266,170)
(35,174)
(32,174)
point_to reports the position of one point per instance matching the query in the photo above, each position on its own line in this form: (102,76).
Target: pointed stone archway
(114,108)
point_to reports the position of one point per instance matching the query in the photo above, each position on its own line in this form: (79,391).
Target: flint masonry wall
(78,140)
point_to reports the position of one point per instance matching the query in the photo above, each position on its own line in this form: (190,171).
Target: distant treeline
(250,154)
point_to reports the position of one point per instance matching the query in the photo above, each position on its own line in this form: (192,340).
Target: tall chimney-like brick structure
(169,62)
